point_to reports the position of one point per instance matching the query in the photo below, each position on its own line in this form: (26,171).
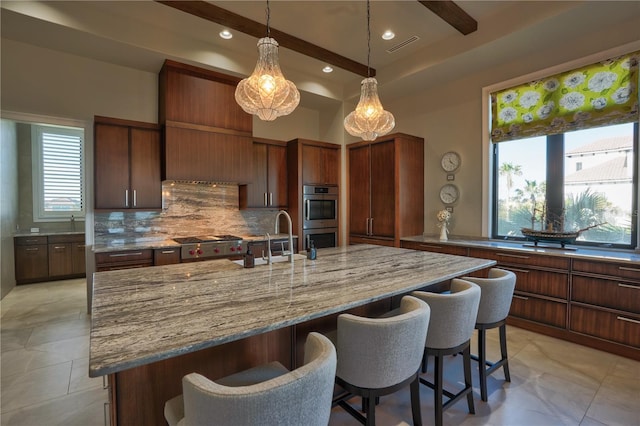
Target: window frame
(39,214)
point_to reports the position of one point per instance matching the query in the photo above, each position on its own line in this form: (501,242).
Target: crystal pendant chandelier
(369,120)
(266,93)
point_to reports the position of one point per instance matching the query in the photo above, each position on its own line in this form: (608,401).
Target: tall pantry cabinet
(386,189)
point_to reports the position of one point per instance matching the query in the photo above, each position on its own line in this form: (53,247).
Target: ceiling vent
(403,44)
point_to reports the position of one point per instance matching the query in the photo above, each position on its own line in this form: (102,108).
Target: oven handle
(307,207)
(307,241)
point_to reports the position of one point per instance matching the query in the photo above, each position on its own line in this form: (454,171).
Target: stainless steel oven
(320,206)
(321,237)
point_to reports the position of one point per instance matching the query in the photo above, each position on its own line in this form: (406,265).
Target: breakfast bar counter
(150,326)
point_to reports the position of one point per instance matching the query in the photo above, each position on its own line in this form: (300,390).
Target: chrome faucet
(268,258)
(277,231)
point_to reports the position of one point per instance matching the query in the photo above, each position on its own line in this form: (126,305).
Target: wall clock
(449,193)
(450,161)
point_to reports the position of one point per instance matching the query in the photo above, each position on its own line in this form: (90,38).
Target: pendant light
(266,93)
(369,120)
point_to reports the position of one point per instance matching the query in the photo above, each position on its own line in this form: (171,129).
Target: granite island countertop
(140,316)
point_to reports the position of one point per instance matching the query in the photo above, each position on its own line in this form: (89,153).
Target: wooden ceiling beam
(452,14)
(213,13)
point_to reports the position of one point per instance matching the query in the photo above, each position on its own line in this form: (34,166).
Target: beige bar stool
(264,395)
(495,301)
(453,316)
(379,356)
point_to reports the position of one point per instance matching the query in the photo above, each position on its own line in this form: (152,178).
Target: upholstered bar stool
(264,395)
(453,316)
(379,356)
(496,293)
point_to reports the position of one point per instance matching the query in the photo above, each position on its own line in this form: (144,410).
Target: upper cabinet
(269,184)
(127,165)
(386,189)
(207,136)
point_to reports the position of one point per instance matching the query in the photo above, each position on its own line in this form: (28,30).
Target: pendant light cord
(268,12)
(368,40)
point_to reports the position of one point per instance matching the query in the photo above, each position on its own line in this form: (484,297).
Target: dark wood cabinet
(386,189)
(53,257)
(435,248)
(166,256)
(320,165)
(123,259)
(127,165)
(268,188)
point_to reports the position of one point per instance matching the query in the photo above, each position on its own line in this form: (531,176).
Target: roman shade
(600,94)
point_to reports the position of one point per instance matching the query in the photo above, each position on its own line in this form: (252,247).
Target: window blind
(62,172)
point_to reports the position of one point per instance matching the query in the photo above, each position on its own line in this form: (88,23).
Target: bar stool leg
(503,351)
(437,392)
(482,362)
(466,359)
(415,402)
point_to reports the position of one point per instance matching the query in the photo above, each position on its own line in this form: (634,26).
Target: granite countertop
(571,251)
(144,315)
(46,233)
(151,243)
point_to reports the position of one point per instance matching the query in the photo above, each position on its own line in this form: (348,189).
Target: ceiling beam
(452,14)
(210,12)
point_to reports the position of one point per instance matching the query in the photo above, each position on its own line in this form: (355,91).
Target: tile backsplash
(187,210)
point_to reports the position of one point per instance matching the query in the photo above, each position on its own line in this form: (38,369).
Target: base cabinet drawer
(552,284)
(166,256)
(539,310)
(631,271)
(606,325)
(436,248)
(614,294)
(126,259)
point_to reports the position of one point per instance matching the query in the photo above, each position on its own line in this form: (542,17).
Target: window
(58,178)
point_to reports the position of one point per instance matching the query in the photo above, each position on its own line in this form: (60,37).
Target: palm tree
(510,170)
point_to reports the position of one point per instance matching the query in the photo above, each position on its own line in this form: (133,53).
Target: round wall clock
(450,161)
(449,193)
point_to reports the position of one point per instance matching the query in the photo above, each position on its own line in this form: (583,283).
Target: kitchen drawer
(60,259)
(371,240)
(31,262)
(522,258)
(539,310)
(125,259)
(28,241)
(553,284)
(69,238)
(436,248)
(166,256)
(612,294)
(604,268)
(606,325)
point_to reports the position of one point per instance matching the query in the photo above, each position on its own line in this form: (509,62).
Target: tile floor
(45,349)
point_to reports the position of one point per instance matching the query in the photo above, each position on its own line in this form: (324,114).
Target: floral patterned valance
(596,95)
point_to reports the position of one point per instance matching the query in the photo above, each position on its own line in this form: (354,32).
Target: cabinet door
(60,259)
(320,166)
(78,258)
(277,176)
(31,262)
(146,183)
(166,256)
(111,166)
(382,190)
(359,190)
(257,190)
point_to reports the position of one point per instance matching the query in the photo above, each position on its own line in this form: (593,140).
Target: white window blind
(59,178)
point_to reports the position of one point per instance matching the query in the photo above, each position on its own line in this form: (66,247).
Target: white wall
(8,203)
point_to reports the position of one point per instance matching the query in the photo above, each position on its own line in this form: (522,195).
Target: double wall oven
(320,216)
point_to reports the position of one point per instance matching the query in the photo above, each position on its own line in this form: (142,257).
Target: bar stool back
(495,301)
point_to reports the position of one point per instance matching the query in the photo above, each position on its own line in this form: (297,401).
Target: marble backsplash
(187,210)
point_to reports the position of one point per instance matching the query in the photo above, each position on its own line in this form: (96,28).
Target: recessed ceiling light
(226,34)
(327,69)
(388,35)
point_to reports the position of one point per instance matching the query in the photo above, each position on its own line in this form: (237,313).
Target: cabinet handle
(139,253)
(59,247)
(105,384)
(265,199)
(271,198)
(520,297)
(624,268)
(126,198)
(524,271)
(635,287)
(371,226)
(31,241)
(629,320)
(33,249)
(81,246)
(135,198)
(512,255)
(308,242)
(367,231)
(105,411)
(168,251)
(307,204)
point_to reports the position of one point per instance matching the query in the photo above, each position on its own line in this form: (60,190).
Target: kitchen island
(151,326)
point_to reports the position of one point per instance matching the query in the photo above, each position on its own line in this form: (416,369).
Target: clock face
(449,193)
(450,161)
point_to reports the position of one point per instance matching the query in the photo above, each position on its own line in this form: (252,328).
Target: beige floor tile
(34,386)
(76,409)
(617,402)
(52,353)
(60,330)
(80,379)
(11,340)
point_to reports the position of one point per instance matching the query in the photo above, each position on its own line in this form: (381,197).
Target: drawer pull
(515,296)
(624,268)
(168,251)
(105,385)
(139,253)
(524,271)
(81,246)
(635,287)
(31,241)
(512,255)
(59,247)
(629,320)
(33,249)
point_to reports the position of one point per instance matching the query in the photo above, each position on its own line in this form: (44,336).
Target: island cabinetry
(66,255)
(124,259)
(268,187)
(310,162)
(605,301)
(386,196)
(166,256)
(31,259)
(435,248)
(259,247)
(542,285)
(127,165)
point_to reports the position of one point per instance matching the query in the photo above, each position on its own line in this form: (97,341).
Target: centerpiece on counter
(443,217)
(551,229)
